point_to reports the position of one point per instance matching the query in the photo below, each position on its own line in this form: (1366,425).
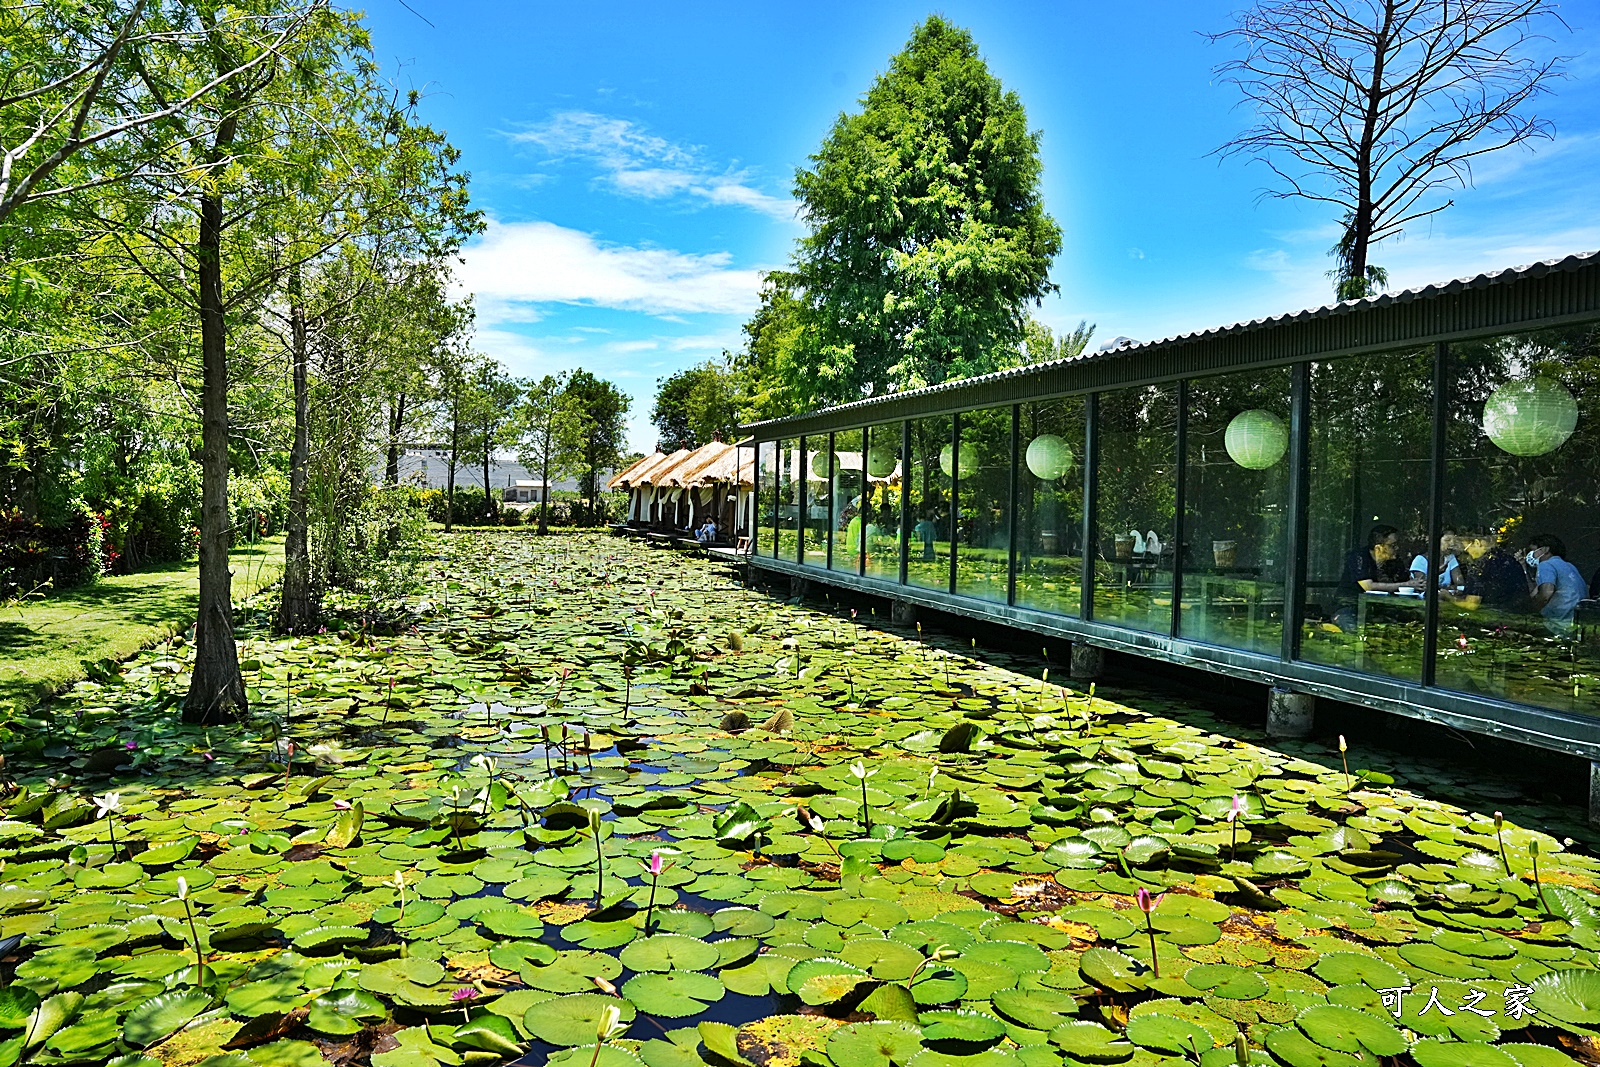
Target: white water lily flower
(183,888)
(859,769)
(106,803)
(610,1022)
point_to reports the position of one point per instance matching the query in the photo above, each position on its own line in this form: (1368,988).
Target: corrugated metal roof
(1347,307)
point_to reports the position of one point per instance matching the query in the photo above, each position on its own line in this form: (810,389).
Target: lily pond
(589,803)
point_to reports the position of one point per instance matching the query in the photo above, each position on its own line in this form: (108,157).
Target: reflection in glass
(846,494)
(1235,515)
(1522,463)
(817,474)
(1367,517)
(1050,506)
(788,499)
(932,461)
(766,533)
(882,502)
(1137,500)
(983,519)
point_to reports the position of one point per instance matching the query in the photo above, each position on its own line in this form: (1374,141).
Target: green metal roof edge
(1540,294)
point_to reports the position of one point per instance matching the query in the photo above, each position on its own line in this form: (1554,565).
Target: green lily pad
(961,1027)
(1167,1033)
(161,1015)
(884,1043)
(1572,996)
(1091,1042)
(669,952)
(1436,1053)
(1347,1030)
(575,1019)
(675,995)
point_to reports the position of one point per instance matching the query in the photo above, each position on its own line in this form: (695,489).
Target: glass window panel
(983,519)
(1371,447)
(767,496)
(1522,463)
(932,451)
(788,499)
(847,472)
(882,504)
(1050,505)
(1137,499)
(1235,497)
(815,476)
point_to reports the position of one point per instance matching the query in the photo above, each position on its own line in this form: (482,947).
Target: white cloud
(640,164)
(514,265)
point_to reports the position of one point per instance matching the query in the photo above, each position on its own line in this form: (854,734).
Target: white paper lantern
(1256,439)
(1049,457)
(1530,418)
(881,462)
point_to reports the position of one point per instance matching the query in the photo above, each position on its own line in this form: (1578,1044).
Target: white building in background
(429,466)
(524,491)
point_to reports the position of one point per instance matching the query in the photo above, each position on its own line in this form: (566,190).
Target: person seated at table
(1495,578)
(1557,584)
(1369,570)
(1450,573)
(707,533)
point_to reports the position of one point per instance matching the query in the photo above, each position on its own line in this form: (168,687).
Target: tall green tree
(696,405)
(592,434)
(538,421)
(494,400)
(928,236)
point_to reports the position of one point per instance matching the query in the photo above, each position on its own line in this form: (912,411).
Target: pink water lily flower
(466,992)
(1237,809)
(656,865)
(1148,903)
(341,805)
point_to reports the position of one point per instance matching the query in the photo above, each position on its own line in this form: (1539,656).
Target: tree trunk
(397,420)
(297,612)
(488,504)
(450,472)
(544,492)
(216,689)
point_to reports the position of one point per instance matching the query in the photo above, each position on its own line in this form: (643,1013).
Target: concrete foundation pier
(1088,662)
(1290,715)
(902,612)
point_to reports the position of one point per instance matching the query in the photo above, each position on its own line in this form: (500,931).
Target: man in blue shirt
(1558,585)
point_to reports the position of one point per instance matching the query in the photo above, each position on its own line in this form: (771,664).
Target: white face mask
(1533,558)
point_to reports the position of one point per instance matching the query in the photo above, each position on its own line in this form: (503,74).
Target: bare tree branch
(1372,105)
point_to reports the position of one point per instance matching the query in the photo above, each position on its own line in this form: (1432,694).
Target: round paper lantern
(1530,418)
(1256,439)
(947,462)
(881,462)
(1048,457)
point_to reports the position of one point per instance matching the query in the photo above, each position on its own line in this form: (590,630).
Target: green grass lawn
(52,642)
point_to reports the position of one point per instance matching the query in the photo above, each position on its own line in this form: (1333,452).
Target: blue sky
(635,162)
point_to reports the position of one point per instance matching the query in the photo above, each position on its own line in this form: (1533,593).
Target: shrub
(32,553)
(258,505)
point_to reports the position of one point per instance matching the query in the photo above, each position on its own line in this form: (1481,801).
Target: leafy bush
(32,553)
(258,505)
(154,516)
(469,506)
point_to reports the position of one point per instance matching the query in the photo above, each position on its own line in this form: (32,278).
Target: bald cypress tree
(928,237)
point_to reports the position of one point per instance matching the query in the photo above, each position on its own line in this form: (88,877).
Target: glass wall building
(1393,501)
